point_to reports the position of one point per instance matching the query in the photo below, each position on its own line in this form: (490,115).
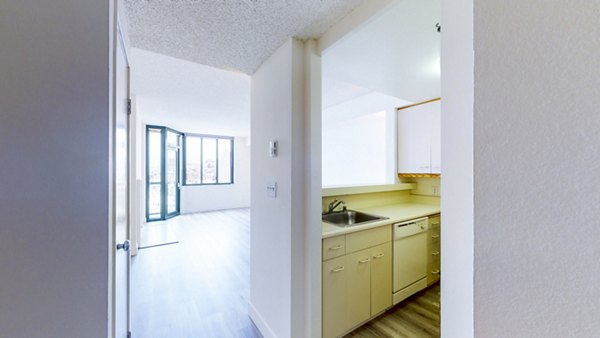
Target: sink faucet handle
(334,205)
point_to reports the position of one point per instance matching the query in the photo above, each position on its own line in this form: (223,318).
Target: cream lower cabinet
(358,288)
(434,249)
(334,297)
(358,285)
(381,278)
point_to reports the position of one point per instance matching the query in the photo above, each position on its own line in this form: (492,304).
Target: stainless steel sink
(350,218)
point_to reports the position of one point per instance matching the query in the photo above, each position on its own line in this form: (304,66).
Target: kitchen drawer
(434,235)
(334,247)
(368,238)
(434,276)
(434,259)
(434,221)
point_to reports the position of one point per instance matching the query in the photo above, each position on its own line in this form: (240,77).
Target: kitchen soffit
(396,54)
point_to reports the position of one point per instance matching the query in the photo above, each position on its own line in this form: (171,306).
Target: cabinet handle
(435,253)
(435,224)
(338,269)
(435,272)
(379,255)
(366,260)
(337,247)
(435,236)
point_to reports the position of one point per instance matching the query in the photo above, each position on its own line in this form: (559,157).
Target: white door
(121,191)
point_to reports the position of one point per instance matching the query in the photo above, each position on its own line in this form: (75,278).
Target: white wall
(536,149)
(277,288)
(359,138)
(54,177)
(218,197)
(354,151)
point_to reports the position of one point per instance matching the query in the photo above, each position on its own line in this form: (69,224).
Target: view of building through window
(208,159)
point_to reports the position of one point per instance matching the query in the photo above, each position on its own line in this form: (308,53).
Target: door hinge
(128,110)
(129,334)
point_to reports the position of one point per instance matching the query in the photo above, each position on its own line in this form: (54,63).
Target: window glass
(209,160)
(192,160)
(224,164)
(154,172)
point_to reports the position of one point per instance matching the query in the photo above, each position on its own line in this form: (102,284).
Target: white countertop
(394,212)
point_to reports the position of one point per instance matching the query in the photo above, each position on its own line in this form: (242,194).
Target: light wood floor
(417,316)
(198,287)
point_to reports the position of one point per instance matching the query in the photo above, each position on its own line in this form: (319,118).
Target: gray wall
(537,166)
(54,184)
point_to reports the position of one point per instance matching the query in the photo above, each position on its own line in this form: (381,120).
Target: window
(208,159)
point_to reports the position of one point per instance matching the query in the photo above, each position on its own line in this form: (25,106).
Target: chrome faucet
(334,205)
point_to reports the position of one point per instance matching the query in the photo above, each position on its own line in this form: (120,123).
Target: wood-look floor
(417,316)
(198,287)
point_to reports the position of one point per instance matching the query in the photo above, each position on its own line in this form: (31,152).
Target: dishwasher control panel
(409,228)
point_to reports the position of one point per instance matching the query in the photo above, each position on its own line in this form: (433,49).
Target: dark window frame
(217,138)
(164,214)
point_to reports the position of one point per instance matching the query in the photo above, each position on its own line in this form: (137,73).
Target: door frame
(118,38)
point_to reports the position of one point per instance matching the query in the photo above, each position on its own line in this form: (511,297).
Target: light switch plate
(273,148)
(272,189)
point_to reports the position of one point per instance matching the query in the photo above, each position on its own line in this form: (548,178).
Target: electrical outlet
(435,190)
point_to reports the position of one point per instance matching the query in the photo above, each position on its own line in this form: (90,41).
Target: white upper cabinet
(419,139)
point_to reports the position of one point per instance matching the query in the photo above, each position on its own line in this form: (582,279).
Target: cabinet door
(334,297)
(436,138)
(381,278)
(414,140)
(358,292)
(419,139)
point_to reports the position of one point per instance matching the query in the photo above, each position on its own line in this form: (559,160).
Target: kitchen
(381,153)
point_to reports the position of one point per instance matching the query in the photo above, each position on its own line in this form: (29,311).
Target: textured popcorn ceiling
(229,34)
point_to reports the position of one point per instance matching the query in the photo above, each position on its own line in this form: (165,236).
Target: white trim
(327,192)
(261,324)
(457,182)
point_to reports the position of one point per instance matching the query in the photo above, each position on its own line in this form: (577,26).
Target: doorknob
(124,246)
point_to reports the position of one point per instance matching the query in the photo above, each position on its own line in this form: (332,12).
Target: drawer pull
(337,247)
(337,269)
(366,260)
(379,255)
(435,236)
(435,253)
(435,272)
(435,223)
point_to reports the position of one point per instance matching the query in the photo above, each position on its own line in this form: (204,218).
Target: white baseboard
(260,323)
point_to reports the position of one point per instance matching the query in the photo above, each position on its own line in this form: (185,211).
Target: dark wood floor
(198,287)
(417,316)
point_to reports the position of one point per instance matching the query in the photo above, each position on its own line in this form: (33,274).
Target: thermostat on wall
(272,148)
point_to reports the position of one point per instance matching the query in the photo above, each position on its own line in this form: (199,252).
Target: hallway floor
(198,287)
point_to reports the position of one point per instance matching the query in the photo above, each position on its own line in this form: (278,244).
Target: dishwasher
(410,258)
